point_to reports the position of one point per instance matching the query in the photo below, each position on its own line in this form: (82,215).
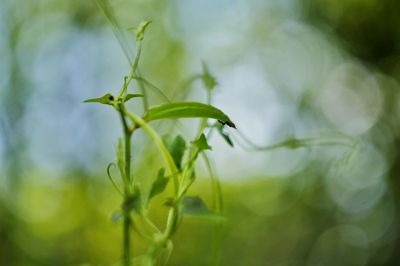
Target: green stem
(160,144)
(183,89)
(218,206)
(173,215)
(127,195)
(126,243)
(127,137)
(142,90)
(151,85)
(217,199)
(126,239)
(128,184)
(132,72)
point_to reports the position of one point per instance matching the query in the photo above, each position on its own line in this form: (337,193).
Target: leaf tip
(228,123)
(201,143)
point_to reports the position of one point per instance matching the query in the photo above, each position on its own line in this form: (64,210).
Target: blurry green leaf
(130,96)
(187,110)
(194,206)
(116,216)
(159,184)
(201,143)
(293,143)
(176,146)
(225,136)
(139,31)
(209,81)
(105,99)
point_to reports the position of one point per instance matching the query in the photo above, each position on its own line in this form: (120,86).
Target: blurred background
(323,71)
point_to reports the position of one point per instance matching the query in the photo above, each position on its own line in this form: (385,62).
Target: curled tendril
(111,179)
(292,143)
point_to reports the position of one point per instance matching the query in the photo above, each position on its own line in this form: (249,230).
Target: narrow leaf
(187,110)
(224,135)
(201,143)
(209,80)
(130,96)
(105,99)
(176,146)
(159,184)
(193,205)
(293,143)
(139,31)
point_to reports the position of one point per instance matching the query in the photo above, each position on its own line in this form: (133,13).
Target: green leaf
(116,216)
(109,98)
(224,135)
(105,99)
(187,110)
(176,146)
(159,184)
(193,205)
(293,143)
(139,31)
(201,143)
(209,80)
(130,96)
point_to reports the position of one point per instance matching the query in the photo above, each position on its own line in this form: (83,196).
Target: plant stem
(126,239)
(128,183)
(173,215)
(160,144)
(132,72)
(127,137)
(218,206)
(127,195)
(126,243)
(142,89)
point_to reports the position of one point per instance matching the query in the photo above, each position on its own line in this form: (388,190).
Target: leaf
(201,143)
(194,205)
(209,81)
(224,135)
(130,96)
(159,184)
(116,216)
(187,110)
(176,146)
(139,31)
(109,98)
(105,99)
(292,143)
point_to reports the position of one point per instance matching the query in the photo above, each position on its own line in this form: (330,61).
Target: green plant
(180,159)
